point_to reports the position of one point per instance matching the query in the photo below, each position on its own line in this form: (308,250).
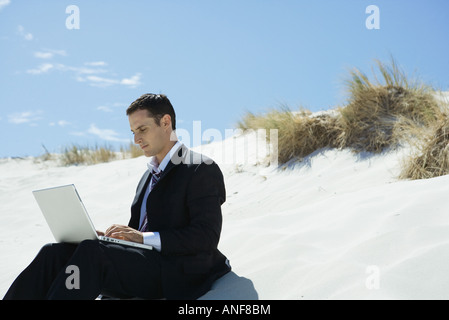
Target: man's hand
(124,233)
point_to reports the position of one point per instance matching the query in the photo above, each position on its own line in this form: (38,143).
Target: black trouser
(95,268)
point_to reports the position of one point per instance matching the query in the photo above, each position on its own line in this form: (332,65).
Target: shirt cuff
(152,239)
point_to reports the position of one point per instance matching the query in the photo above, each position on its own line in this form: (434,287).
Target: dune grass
(430,156)
(131,151)
(299,133)
(382,112)
(88,155)
(76,155)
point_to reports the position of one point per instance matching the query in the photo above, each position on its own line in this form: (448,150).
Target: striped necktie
(154,179)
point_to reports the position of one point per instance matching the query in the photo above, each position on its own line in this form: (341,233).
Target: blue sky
(214,60)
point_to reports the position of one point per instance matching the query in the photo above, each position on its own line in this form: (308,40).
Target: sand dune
(334,226)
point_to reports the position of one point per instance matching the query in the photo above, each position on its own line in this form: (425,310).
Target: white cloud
(48,53)
(25,117)
(57,52)
(110,107)
(134,81)
(103,82)
(87,73)
(80,70)
(96,81)
(104,108)
(43,55)
(26,35)
(43,68)
(105,134)
(96,64)
(4,3)
(61,123)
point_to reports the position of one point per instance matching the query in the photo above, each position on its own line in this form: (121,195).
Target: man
(177,210)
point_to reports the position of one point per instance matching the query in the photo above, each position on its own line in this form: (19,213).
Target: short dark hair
(157,106)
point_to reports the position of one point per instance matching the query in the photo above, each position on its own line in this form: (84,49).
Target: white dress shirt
(153,238)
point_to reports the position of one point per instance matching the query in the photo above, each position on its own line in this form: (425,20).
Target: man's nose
(137,139)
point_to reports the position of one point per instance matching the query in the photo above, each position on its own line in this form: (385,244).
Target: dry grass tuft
(131,151)
(77,155)
(299,133)
(379,113)
(431,158)
(86,155)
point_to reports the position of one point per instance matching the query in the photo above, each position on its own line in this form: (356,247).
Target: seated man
(177,210)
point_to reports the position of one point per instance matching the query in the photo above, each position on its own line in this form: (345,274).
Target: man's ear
(166,121)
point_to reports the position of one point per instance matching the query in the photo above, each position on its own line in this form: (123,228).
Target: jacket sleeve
(205,195)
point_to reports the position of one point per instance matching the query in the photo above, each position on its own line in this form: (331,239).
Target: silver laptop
(67,217)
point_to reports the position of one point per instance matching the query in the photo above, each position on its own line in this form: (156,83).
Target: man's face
(151,138)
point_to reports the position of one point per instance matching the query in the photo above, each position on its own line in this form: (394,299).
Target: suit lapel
(175,160)
(142,186)
(137,202)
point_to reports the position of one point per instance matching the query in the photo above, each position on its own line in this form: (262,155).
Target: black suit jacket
(185,208)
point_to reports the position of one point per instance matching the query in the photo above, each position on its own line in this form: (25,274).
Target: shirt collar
(153,165)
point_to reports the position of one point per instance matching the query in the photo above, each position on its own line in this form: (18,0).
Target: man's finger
(118,235)
(114,228)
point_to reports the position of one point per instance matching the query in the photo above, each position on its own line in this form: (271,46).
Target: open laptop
(68,219)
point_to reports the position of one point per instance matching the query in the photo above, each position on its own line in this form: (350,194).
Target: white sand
(336,226)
